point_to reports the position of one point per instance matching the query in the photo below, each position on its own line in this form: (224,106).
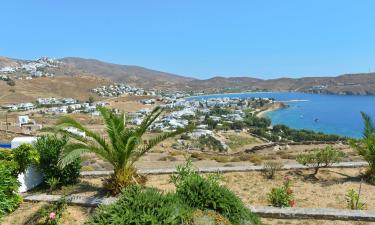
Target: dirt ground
(327,190)
(73,215)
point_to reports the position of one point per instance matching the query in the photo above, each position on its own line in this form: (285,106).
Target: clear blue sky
(199,38)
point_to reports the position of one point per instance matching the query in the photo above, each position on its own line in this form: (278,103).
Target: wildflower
(289,191)
(286,178)
(52,216)
(292,203)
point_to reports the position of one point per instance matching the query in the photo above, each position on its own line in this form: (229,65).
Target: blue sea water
(331,114)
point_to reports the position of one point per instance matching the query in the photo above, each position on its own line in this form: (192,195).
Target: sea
(330,114)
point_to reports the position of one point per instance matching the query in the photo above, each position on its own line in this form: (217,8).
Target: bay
(331,114)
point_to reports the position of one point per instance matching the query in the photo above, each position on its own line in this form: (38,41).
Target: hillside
(133,75)
(349,84)
(59,87)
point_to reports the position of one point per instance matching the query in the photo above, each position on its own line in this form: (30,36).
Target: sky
(198,38)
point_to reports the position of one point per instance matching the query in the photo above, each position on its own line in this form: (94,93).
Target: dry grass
(327,191)
(77,87)
(73,215)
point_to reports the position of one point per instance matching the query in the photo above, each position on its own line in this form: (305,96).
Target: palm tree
(123,147)
(366,146)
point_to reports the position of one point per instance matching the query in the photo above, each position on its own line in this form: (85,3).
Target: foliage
(11,82)
(366,146)
(25,155)
(320,158)
(282,196)
(270,168)
(9,199)
(210,142)
(252,120)
(53,183)
(125,145)
(288,134)
(207,194)
(5,154)
(50,147)
(352,199)
(237,141)
(143,206)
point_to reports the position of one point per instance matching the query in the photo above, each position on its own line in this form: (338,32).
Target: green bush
(207,194)
(282,196)
(5,154)
(320,158)
(9,198)
(25,155)
(49,148)
(143,206)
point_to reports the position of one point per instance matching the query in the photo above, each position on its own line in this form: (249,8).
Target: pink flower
(289,191)
(286,178)
(292,203)
(52,216)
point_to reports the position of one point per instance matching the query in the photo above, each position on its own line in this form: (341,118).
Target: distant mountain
(348,84)
(134,75)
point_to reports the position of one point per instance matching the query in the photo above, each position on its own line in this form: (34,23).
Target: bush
(352,199)
(282,196)
(320,158)
(207,194)
(143,206)
(9,199)
(49,148)
(270,169)
(25,155)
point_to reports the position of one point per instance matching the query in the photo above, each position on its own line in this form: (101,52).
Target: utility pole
(6,122)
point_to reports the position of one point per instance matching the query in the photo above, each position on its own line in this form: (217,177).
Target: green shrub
(270,168)
(5,154)
(282,196)
(143,206)
(25,155)
(9,198)
(320,158)
(49,148)
(207,194)
(352,199)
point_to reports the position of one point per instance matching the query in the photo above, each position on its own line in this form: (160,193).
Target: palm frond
(369,128)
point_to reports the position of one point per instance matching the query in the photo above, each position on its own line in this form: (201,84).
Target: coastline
(275,106)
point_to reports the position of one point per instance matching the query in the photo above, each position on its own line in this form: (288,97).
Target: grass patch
(237,141)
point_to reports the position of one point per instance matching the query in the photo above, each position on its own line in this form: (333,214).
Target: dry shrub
(121,179)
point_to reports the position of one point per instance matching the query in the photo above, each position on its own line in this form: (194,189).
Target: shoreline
(275,106)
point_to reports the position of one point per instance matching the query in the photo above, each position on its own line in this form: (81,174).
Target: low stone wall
(225,169)
(313,213)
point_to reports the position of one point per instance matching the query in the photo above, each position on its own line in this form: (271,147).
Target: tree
(123,147)
(91,100)
(320,158)
(366,146)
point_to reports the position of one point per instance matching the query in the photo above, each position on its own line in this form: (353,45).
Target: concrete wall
(32,176)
